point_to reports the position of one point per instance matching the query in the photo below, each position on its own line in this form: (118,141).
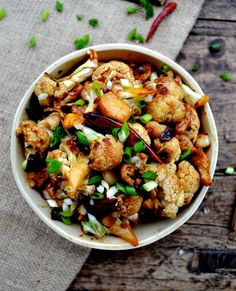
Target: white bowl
(148,232)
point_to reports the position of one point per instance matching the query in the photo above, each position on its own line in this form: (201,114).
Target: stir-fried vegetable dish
(114,144)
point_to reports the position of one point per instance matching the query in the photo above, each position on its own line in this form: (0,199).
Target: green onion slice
(127,155)
(123,134)
(66,213)
(66,220)
(97,196)
(132,9)
(82,42)
(45,14)
(142,104)
(58,134)
(82,139)
(226,76)
(59,6)
(215,48)
(53,166)
(149,186)
(146,118)
(79,17)
(149,175)
(94,180)
(129,190)
(97,89)
(195,67)
(132,34)
(229,171)
(80,102)
(185,154)
(139,146)
(164,69)
(93,22)
(115,131)
(3,13)
(32,42)
(120,187)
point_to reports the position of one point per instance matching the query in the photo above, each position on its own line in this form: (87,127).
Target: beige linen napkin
(32,256)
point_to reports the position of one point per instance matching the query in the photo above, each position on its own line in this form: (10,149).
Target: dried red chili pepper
(103,122)
(166,10)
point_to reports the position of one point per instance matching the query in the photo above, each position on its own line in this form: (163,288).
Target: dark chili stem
(165,11)
(103,122)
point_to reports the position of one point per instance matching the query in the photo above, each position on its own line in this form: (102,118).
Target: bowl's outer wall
(146,234)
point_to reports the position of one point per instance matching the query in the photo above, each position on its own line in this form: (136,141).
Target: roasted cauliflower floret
(113,70)
(51,121)
(169,151)
(126,173)
(129,205)
(166,109)
(173,88)
(141,131)
(171,196)
(194,126)
(155,129)
(34,136)
(105,153)
(189,179)
(44,90)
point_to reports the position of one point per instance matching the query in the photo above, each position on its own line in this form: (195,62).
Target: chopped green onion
(139,146)
(146,118)
(79,17)
(80,102)
(142,104)
(225,76)
(149,11)
(58,134)
(132,9)
(66,220)
(115,131)
(66,213)
(129,190)
(45,14)
(24,165)
(94,226)
(82,42)
(59,6)
(195,67)
(97,196)
(149,175)
(185,154)
(139,37)
(32,42)
(127,155)
(93,22)
(82,139)
(97,89)
(229,171)
(126,189)
(3,13)
(149,186)
(215,48)
(94,180)
(164,69)
(132,34)
(91,136)
(120,187)
(123,134)
(53,166)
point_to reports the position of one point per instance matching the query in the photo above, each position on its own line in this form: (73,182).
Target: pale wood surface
(163,265)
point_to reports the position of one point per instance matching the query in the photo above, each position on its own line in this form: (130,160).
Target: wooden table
(201,255)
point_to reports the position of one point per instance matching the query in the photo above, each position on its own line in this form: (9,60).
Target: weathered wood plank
(218,9)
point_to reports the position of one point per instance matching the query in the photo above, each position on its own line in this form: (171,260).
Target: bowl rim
(16,171)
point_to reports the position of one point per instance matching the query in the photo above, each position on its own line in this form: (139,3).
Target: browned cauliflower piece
(155,129)
(129,205)
(168,80)
(194,126)
(51,121)
(141,131)
(169,151)
(34,136)
(44,90)
(189,179)
(166,109)
(126,173)
(105,153)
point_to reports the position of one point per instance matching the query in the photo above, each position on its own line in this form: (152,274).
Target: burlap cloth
(32,256)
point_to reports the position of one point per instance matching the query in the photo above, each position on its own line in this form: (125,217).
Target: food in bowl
(113,144)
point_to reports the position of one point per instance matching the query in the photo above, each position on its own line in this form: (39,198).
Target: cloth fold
(32,256)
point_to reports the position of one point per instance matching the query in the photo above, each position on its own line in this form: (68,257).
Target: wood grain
(165,265)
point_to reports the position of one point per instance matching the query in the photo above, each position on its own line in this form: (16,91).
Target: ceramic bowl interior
(148,232)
